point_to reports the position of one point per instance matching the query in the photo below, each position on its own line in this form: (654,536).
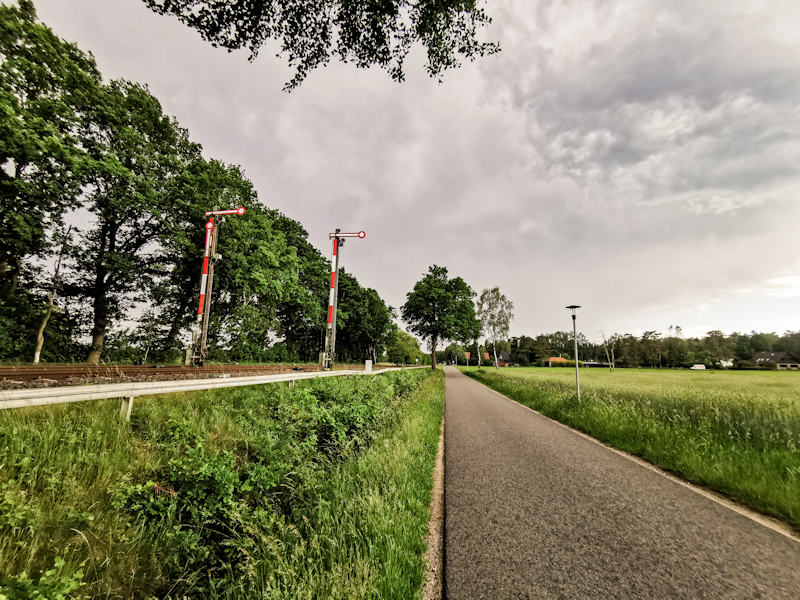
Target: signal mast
(197,356)
(328,356)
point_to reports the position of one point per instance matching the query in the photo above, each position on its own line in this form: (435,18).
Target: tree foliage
(495,312)
(404,349)
(439,309)
(136,156)
(45,84)
(139,188)
(362,32)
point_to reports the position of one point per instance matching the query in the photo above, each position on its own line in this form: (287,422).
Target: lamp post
(573,308)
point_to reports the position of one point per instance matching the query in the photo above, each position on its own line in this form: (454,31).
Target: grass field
(737,432)
(316,491)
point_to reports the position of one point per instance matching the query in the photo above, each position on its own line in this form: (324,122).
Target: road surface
(534,510)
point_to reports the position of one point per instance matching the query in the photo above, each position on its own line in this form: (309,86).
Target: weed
(224,493)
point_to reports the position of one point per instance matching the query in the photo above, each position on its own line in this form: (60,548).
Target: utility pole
(197,356)
(573,308)
(328,356)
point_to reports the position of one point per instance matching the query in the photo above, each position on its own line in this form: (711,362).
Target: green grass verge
(734,432)
(316,491)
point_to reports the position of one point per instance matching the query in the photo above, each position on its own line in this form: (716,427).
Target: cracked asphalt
(534,510)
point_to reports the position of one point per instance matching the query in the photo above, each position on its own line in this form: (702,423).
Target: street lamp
(573,308)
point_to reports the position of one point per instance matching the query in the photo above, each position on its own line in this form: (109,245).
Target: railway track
(31,373)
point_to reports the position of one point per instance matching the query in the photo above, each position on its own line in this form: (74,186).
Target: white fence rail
(129,391)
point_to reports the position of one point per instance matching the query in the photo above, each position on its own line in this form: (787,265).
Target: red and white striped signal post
(210,257)
(328,355)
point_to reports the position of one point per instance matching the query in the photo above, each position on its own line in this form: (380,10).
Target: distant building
(554,360)
(589,364)
(783,360)
(503,358)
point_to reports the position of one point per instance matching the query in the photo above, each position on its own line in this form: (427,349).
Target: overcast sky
(638,158)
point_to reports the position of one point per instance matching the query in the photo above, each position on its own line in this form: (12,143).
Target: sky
(639,158)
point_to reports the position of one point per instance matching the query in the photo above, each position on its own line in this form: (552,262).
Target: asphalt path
(535,510)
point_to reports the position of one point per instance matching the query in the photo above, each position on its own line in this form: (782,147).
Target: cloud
(637,158)
(645,102)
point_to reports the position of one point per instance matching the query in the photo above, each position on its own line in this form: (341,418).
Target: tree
(719,346)
(136,156)
(257,272)
(541,348)
(362,32)
(203,185)
(495,312)
(50,301)
(44,85)
(303,315)
(522,350)
(455,353)
(440,309)
(364,321)
(403,348)
(790,342)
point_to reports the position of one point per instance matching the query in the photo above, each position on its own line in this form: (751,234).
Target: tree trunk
(494,349)
(40,334)
(433,353)
(96,349)
(99,328)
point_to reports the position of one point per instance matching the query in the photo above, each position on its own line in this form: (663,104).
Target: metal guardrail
(129,391)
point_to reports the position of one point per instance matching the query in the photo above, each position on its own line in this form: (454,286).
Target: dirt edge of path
(434,557)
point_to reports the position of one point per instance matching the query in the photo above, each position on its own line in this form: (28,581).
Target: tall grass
(222,493)
(735,432)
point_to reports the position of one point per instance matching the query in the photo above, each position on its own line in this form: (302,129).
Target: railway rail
(60,372)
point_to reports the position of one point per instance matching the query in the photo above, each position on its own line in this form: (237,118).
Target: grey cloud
(627,156)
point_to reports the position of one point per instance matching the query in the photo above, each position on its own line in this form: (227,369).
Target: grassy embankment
(316,491)
(735,432)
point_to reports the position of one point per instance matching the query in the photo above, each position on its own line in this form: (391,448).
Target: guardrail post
(368,366)
(291,383)
(127,406)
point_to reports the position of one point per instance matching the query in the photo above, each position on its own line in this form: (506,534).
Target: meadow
(735,432)
(317,491)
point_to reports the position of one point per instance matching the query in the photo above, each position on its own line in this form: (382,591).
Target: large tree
(495,312)
(362,32)
(133,191)
(403,348)
(439,309)
(364,321)
(45,83)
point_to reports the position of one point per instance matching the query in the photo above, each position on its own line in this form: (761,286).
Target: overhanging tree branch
(362,32)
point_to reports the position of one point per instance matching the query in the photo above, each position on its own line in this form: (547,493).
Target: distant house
(593,364)
(503,358)
(783,360)
(553,360)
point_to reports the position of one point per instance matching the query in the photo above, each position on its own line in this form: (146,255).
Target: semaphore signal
(198,353)
(328,356)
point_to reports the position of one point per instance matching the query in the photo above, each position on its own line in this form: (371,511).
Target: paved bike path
(534,510)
